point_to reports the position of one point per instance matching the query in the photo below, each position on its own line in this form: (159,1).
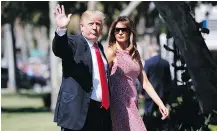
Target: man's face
(91,27)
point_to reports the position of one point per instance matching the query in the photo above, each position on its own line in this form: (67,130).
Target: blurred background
(31,74)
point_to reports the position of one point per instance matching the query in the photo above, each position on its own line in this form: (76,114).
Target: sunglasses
(124,30)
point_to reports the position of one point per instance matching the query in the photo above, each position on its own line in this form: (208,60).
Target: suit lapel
(102,50)
(85,50)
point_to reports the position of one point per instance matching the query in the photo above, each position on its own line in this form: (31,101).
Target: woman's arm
(152,93)
(149,89)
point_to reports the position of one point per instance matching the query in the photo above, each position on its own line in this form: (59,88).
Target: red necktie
(102,73)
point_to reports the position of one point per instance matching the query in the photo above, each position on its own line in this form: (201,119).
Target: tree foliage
(34,12)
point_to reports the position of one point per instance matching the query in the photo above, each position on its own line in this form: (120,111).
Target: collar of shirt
(89,42)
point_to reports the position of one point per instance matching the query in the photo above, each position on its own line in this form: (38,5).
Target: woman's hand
(164,112)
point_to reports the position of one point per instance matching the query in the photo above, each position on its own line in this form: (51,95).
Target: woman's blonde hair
(132,47)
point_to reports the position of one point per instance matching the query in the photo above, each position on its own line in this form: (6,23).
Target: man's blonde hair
(89,13)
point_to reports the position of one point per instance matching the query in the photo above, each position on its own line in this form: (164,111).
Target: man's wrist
(61,28)
(61,31)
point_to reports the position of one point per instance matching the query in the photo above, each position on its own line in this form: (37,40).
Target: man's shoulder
(165,61)
(77,39)
(150,60)
(74,37)
(147,63)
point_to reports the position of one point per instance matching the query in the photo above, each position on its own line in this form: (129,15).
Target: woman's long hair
(132,47)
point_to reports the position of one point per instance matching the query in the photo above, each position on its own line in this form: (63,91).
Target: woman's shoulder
(111,51)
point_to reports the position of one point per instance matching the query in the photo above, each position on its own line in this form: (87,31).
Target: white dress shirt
(97,90)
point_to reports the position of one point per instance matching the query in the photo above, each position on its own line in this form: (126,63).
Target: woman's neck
(122,46)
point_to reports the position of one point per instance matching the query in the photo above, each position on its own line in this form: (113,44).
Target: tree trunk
(54,63)
(20,39)
(91,5)
(10,57)
(132,5)
(200,63)
(28,29)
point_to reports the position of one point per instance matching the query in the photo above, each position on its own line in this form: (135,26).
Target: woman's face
(121,33)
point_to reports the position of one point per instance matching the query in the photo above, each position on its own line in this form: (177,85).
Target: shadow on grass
(33,95)
(25,94)
(24,110)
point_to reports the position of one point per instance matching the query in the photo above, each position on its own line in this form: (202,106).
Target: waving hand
(61,20)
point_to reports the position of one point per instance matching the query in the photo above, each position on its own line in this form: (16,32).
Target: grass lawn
(25,113)
(28,122)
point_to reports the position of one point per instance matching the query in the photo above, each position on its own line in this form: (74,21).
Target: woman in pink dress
(126,66)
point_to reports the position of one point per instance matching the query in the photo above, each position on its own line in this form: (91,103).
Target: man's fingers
(69,15)
(63,10)
(58,9)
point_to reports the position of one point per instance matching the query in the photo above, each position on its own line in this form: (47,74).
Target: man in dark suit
(158,73)
(83,100)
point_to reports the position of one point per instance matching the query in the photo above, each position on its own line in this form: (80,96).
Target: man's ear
(81,27)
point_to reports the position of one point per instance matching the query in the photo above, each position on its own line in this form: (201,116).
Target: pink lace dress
(124,100)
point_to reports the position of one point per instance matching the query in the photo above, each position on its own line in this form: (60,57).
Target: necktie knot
(95,45)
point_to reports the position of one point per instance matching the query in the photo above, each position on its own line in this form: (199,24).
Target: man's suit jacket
(76,88)
(158,73)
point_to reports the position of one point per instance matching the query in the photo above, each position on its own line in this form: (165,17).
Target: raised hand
(61,20)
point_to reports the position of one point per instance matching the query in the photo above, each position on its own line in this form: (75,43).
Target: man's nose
(94,26)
